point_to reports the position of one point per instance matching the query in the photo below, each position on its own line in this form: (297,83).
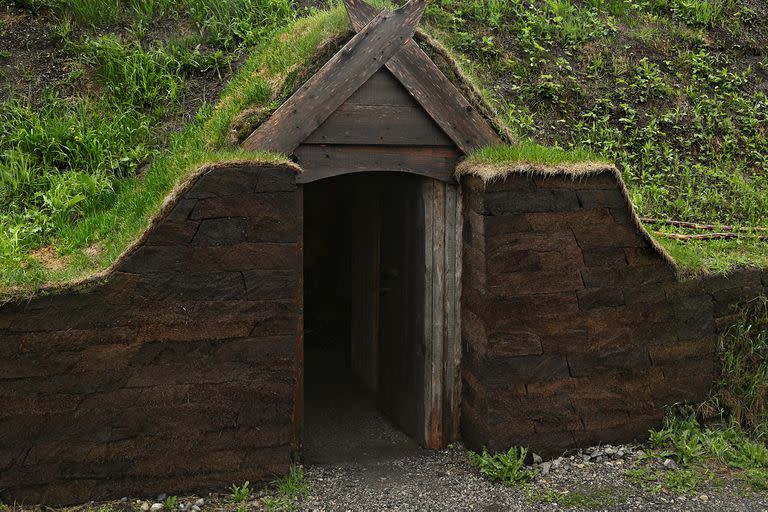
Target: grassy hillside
(104,104)
(673,91)
(88,154)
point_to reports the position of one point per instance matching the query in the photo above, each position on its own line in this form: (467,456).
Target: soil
(30,58)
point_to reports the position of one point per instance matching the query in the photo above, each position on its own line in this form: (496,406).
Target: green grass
(527,152)
(713,256)
(169,503)
(504,467)
(642,84)
(594,499)
(742,389)
(699,453)
(287,491)
(111,221)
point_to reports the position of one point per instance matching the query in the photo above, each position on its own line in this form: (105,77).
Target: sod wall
(576,328)
(178,372)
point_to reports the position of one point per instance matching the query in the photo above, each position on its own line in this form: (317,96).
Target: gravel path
(445,480)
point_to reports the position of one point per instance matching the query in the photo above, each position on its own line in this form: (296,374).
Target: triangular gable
(381,112)
(380,127)
(383,39)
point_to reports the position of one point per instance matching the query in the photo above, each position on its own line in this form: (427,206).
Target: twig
(694,225)
(708,236)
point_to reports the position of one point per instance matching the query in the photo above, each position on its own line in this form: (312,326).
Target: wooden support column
(441,320)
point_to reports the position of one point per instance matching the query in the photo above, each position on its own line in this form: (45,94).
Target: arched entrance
(381,328)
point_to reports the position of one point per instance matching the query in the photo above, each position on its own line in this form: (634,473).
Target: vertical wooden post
(441,320)
(297,433)
(452,308)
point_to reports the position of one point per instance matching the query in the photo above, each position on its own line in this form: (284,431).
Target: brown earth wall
(576,330)
(175,375)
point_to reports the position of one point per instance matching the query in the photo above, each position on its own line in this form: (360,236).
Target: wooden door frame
(442,322)
(443,216)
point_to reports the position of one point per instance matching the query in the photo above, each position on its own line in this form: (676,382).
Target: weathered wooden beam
(325,161)
(431,88)
(350,68)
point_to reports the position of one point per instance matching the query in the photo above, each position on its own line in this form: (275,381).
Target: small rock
(195,508)
(200,502)
(609,451)
(156,507)
(703,497)
(144,506)
(161,497)
(545,467)
(124,499)
(556,463)
(620,454)
(536,458)
(669,464)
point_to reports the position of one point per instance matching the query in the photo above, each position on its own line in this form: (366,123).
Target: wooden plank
(435,321)
(383,89)
(452,358)
(297,423)
(431,88)
(345,73)
(380,124)
(402,359)
(320,162)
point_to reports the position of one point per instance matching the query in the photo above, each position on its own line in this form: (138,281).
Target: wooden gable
(380,104)
(381,127)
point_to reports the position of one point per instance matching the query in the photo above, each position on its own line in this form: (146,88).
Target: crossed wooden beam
(383,38)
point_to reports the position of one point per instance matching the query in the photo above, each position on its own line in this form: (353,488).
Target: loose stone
(157,507)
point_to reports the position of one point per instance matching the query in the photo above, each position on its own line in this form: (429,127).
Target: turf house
(362,229)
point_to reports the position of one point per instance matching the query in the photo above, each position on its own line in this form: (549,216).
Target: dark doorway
(364,303)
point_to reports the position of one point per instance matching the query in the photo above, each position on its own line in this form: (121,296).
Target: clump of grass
(169,504)
(743,355)
(505,467)
(599,498)
(287,491)
(696,450)
(229,23)
(134,78)
(240,493)
(676,481)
